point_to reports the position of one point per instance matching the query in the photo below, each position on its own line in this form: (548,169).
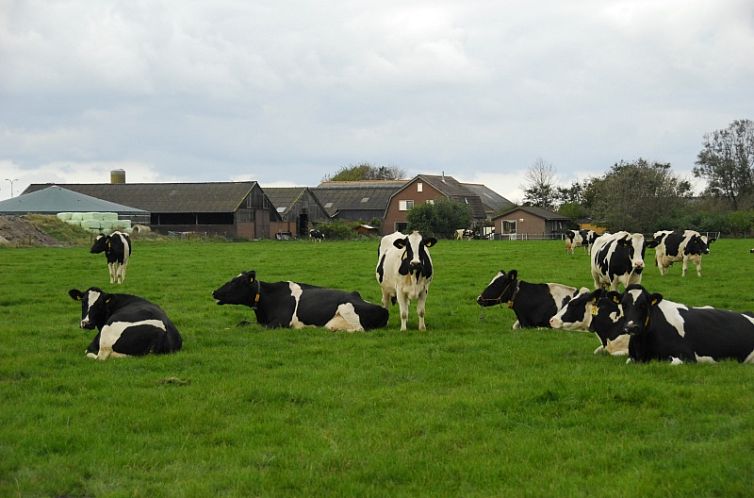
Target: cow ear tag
(594,310)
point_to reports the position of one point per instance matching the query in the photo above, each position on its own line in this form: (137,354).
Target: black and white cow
(297,305)
(668,331)
(128,325)
(316,235)
(464,233)
(573,239)
(117,249)
(404,272)
(672,246)
(533,304)
(597,311)
(617,258)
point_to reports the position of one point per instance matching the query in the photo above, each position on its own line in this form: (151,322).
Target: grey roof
(493,202)
(284,198)
(455,190)
(371,195)
(539,212)
(55,199)
(215,197)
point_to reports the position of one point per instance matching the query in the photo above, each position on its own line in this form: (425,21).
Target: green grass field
(468,408)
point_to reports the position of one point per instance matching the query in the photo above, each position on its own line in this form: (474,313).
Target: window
(405,205)
(431,202)
(364,199)
(509,226)
(419,186)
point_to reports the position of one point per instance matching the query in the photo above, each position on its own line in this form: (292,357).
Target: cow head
(239,290)
(101,244)
(697,244)
(635,245)
(576,313)
(94,306)
(415,259)
(637,305)
(501,289)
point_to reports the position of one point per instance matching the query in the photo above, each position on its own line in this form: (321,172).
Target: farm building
(232,209)
(428,188)
(298,207)
(54,199)
(358,200)
(493,202)
(527,222)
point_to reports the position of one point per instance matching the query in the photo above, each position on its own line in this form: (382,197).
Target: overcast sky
(287,92)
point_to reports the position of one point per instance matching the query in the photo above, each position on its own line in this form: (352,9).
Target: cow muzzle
(556,322)
(631,328)
(86,324)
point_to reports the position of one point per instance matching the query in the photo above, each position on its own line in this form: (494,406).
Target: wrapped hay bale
(64,216)
(122,225)
(76,217)
(109,216)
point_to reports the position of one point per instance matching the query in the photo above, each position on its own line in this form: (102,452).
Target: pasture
(467,408)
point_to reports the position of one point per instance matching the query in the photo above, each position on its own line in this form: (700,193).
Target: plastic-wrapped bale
(109,216)
(123,225)
(76,217)
(64,216)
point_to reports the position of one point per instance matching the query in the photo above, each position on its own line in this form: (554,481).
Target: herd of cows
(637,323)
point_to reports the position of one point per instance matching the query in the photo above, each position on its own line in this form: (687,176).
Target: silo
(118,176)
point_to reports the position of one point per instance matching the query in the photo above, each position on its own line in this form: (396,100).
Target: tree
(638,196)
(540,188)
(440,218)
(366,171)
(726,161)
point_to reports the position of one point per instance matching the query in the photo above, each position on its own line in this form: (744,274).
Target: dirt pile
(17,231)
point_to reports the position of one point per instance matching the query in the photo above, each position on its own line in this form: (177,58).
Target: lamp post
(11,184)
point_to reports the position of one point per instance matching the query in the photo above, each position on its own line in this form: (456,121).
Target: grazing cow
(117,249)
(684,246)
(533,304)
(316,235)
(573,240)
(598,312)
(404,272)
(296,305)
(589,237)
(664,330)
(617,258)
(464,233)
(128,325)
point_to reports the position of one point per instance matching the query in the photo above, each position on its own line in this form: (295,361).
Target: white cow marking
(91,299)
(345,319)
(110,334)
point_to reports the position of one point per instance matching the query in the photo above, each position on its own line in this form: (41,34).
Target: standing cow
(685,246)
(404,272)
(128,325)
(296,305)
(617,258)
(573,239)
(117,249)
(664,330)
(316,235)
(533,304)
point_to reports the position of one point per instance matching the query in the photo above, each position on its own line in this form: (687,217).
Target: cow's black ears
(400,243)
(596,294)
(655,298)
(252,275)
(614,296)
(513,274)
(430,241)
(76,294)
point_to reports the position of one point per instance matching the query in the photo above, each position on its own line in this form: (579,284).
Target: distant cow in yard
(684,246)
(533,304)
(297,305)
(316,235)
(667,331)
(573,239)
(404,272)
(617,258)
(596,311)
(464,233)
(128,325)
(117,249)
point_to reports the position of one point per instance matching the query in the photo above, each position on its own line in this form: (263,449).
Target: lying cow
(598,312)
(617,258)
(664,330)
(404,272)
(117,249)
(296,305)
(684,246)
(533,304)
(128,325)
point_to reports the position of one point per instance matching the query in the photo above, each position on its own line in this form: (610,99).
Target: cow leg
(420,306)
(698,263)
(111,269)
(121,273)
(685,266)
(403,303)
(385,299)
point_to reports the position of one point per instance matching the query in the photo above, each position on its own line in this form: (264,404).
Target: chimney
(118,176)
(443,177)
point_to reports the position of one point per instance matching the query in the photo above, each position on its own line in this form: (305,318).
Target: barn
(357,200)
(298,208)
(238,210)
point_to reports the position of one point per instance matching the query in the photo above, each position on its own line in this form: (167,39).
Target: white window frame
(405,205)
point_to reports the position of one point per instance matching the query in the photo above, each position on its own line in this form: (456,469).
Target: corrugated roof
(356,196)
(285,198)
(213,197)
(55,199)
(493,202)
